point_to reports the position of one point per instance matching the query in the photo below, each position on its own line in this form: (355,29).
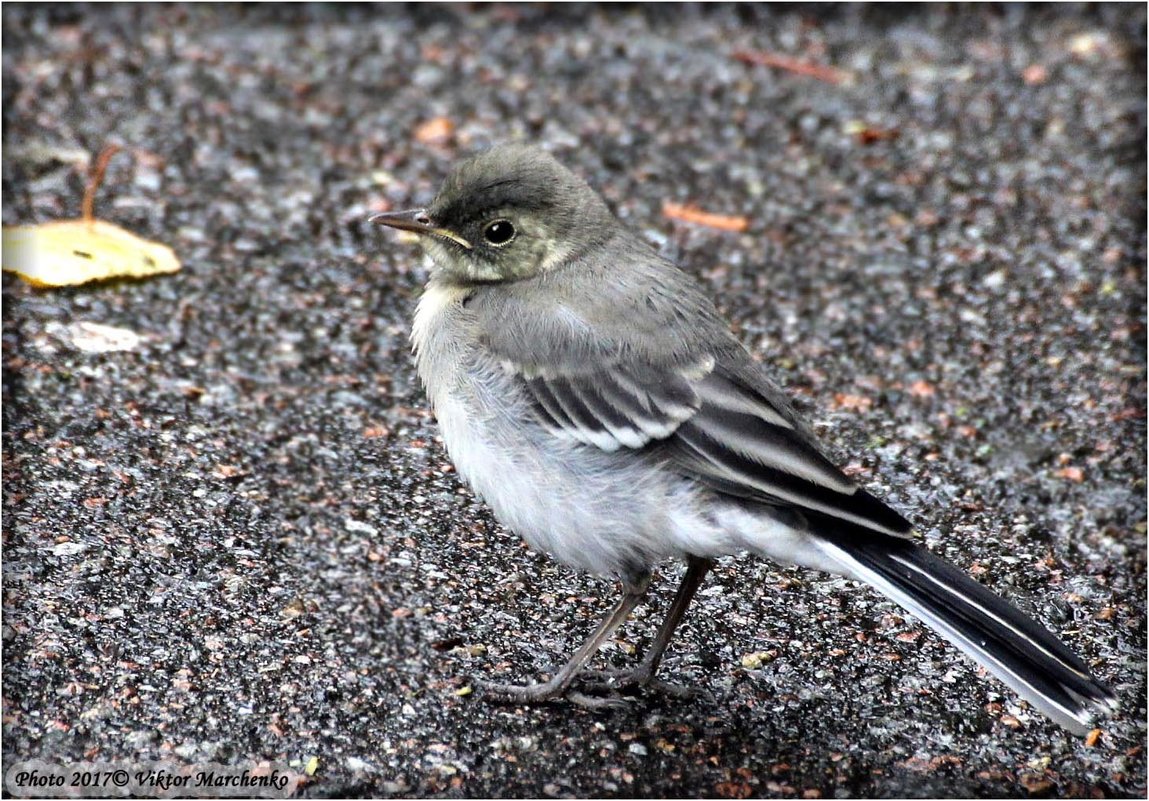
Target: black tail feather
(1018,650)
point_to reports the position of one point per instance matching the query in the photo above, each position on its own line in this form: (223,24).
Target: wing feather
(552,414)
(709,422)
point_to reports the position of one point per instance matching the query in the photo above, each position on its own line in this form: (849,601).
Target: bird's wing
(616,406)
(709,420)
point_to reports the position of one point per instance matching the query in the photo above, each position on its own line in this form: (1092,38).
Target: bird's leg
(560,682)
(697,568)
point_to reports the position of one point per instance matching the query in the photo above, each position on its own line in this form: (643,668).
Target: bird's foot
(547,691)
(614,680)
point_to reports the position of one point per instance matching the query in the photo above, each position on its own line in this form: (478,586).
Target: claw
(605,690)
(619,678)
(598,702)
(550,691)
(613,680)
(521,693)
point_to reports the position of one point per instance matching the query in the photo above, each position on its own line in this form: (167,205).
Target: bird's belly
(568,500)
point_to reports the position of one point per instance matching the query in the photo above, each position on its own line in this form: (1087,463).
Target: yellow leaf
(66,253)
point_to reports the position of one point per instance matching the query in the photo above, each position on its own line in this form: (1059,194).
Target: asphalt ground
(241,539)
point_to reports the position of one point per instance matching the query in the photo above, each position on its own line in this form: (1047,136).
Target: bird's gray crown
(512,176)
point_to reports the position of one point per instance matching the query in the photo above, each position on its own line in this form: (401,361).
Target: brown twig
(819,72)
(96,177)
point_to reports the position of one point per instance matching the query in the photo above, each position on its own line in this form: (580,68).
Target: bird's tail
(1016,649)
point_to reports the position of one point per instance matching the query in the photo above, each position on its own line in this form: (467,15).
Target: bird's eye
(499,232)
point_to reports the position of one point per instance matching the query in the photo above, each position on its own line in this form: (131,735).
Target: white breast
(438,304)
(588,508)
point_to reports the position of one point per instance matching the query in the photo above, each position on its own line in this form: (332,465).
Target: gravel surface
(241,539)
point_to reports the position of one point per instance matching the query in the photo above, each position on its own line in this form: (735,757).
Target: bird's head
(510,213)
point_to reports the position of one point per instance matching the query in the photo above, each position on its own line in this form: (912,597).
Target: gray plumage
(591,394)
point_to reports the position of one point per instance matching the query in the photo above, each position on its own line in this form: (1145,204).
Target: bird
(590,393)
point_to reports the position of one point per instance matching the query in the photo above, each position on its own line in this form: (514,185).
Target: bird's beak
(417,221)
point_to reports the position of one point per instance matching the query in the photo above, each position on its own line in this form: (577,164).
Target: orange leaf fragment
(819,72)
(693,214)
(922,389)
(1074,474)
(868,136)
(435,131)
(1035,74)
(852,403)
